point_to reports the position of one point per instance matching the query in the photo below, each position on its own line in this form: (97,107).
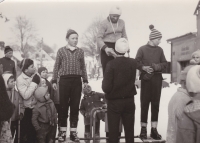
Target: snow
(166,95)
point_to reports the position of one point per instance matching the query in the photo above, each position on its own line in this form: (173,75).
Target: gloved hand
(156,67)
(36,79)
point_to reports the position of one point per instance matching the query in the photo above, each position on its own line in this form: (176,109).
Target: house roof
(187,34)
(196,10)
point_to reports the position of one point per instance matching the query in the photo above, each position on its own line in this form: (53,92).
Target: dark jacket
(7,108)
(8,65)
(119,78)
(89,102)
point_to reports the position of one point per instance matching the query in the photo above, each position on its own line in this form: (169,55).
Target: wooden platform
(137,140)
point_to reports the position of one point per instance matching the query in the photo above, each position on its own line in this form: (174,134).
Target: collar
(25,76)
(180,89)
(69,48)
(7,58)
(43,103)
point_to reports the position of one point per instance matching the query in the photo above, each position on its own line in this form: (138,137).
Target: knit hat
(183,74)
(6,77)
(69,32)
(155,34)
(87,89)
(41,69)
(7,49)
(193,79)
(121,46)
(25,63)
(115,10)
(40,93)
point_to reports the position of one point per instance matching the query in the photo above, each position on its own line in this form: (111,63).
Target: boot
(87,135)
(62,134)
(143,133)
(97,136)
(155,135)
(73,136)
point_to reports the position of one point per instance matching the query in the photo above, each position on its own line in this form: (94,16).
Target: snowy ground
(163,113)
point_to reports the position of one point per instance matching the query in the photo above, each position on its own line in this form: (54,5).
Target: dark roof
(198,5)
(191,33)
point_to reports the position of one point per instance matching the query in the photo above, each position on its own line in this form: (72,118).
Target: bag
(5,135)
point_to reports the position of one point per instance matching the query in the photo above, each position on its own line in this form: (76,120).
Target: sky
(52,19)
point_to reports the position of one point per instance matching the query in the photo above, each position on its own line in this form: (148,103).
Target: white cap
(121,46)
(115,10)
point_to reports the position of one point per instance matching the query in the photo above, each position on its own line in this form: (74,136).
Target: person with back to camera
(70,67)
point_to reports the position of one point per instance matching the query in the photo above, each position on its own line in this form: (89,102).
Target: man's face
(44,74)
(31,70)
(9,54)
(114,18)
(156,42)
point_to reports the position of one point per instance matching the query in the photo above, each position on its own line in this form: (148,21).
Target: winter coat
(8,65)
(192,110)
(17,100)
(177,121)
(39,114)
(89,102)
(26,89)
(6,107)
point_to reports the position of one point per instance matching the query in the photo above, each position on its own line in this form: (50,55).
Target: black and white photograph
(101,71)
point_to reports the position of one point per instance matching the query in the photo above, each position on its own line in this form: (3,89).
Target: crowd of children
(41,105)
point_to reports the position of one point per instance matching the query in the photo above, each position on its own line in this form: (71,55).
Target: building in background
(182,47)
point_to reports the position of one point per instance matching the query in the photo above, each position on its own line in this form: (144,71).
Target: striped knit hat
(155,34)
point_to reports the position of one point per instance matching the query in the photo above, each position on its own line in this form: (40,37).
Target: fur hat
(7,49)
(115,10)
(69,32)
(155,34)
(6,77)
(40,92)
(41,69)
(121,46)
(25,63)
(193,79)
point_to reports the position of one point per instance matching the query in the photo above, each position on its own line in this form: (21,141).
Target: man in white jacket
(27,83)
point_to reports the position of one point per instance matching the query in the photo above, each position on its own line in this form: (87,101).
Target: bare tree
(89,39)
(25,32)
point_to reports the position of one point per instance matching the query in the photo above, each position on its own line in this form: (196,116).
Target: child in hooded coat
(17,100)
(44,118)
(195,58)
(192,110)
(90,101)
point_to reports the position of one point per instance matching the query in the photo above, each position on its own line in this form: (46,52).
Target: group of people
(41,105)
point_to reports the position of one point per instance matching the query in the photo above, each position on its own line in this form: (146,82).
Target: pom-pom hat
(155,34)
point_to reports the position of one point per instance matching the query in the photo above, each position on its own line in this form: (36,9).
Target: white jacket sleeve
(26,91)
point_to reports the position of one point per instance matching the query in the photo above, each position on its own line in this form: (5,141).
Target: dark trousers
(97,125)
(14,130)
(46,134)
(125,109)
(27,131)
(70,94)
(104,57)
(150,93)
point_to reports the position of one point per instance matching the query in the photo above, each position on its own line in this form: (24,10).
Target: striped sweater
(70,63)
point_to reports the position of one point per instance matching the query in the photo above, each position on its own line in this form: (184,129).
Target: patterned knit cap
(155,34)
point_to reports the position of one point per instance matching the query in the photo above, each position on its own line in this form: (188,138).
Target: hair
(25,63)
